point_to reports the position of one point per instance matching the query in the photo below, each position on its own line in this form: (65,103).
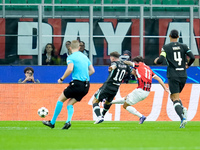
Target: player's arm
(68,71)
(112,67)
(161,58)
(133,72)
(130,63)
(161,82)
(128,73)
(192,58)
(127,76)
(91,70)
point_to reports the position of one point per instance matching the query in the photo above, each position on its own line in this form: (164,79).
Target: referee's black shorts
(77,89)
(176,84)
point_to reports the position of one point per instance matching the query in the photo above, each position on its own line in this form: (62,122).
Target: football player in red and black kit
(144,75)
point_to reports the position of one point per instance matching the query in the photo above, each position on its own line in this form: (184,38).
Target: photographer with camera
(29,78)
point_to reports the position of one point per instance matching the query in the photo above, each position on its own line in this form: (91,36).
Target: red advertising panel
(21,102)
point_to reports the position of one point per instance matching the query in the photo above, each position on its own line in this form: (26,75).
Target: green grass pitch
(109,135)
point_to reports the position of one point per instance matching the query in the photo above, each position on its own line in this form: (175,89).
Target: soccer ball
(43,112)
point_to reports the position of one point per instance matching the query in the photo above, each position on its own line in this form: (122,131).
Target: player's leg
(177,104)
(96,110)
(133,111)
(96,107)
(179,109)
(181,86)
(95,103)
(134,97)
(77,92)
(175,88)
(119,101)
(57,111)
(184,109)
(106,107)
(70,111)
(109,98)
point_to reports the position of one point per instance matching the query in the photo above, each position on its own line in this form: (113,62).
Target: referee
(81,68)
(175,53)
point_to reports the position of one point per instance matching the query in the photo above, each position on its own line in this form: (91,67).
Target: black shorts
(103,94)
(77,89)
(176,85)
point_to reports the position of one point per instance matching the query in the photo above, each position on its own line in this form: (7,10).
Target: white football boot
(185,113)
(99,119)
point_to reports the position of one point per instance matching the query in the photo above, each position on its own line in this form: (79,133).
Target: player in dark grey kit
(175,55)
(109,89)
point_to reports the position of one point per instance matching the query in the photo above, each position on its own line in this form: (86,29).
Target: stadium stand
(1,3)
(186,2)
(107,8)
(34,2)
(118,1)
(137,2)
(97,2)
(59,8)
(69,8)
(19,2)
(171,2)
(85,2)
(157,2)
(96,8)
(48,8)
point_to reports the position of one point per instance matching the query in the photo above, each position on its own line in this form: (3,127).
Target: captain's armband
(163,53)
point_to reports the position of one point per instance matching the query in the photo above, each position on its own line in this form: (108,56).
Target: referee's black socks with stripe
(178,108)
(96,109)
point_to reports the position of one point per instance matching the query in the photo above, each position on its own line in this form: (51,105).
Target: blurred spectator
(29,78)
(126,56)
(82,48)
(65,55)
(49,57)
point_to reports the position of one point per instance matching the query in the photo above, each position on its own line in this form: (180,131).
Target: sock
(118,101)
(57,111)
(180,102)
(132,110)
(105,108)
(96,109)
(70,110)
(178,108)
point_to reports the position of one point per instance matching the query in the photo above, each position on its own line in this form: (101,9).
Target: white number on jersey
(119,75)
(177,57)
(147,73)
